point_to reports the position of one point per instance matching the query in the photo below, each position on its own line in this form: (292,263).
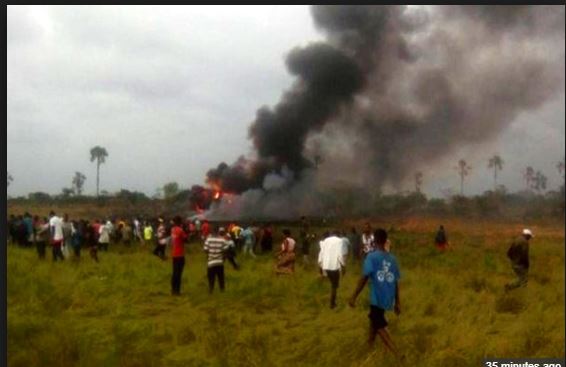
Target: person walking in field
(441,241)
(286,255)
(178,238)
(332,262)
(56,229)
(382,271)
(215,247)
(518,253)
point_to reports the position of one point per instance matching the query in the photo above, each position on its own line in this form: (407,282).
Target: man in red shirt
(178,237)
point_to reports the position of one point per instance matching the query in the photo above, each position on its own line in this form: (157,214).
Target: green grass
(119,312)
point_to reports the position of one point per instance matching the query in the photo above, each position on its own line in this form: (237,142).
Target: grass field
(119,312)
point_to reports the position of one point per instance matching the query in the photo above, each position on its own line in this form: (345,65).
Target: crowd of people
(369,250)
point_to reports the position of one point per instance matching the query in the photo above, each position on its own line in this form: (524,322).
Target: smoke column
(395,87)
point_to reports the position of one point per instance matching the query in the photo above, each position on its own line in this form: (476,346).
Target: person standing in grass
(518,253)
(215,247)
(356,241)
(159,250)
(367,241)
(305,239)
(90,239)
(67,235)
(104,236)
(249,241)
(230,252)
(178,238)
(332,262)
(440,240)
(77,234)
(266,239)
(56,229)
(147,233)
(41,235)
(382,271)
(28,223)
(286,256)
(127,234)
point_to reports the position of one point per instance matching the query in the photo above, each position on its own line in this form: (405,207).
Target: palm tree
(100,154)
(10,178)
(78,182)
(529,176)
(418,181)
(539,182)
(463,170)
(496,163)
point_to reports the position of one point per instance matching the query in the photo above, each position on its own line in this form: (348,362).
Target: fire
(217,195)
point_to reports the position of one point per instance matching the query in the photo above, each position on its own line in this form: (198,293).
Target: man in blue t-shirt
(381,268)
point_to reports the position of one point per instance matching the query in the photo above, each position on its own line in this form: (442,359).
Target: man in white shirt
(331,261)
(56,229)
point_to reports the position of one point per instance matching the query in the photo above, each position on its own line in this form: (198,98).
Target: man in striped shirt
(215,247)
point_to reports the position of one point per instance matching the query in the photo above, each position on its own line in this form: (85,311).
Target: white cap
(527,232)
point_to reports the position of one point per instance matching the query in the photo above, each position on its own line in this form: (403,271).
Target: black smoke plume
(399,87)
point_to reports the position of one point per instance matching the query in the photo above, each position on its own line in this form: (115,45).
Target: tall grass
(119,312)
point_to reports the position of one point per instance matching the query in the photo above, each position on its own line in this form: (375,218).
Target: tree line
(534,180)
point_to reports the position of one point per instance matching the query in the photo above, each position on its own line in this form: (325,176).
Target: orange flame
(217,195)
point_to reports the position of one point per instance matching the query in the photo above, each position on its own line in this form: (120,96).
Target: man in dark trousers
(382,271)
(215,247)
(440,239)
(518,253)
(331,260)
(178,238)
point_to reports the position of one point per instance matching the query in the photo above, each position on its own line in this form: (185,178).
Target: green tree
(78,182)
(99,154)
(496,163)
(463,171)
(170,189)
(418,181)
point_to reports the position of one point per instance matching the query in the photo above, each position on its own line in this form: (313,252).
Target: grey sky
(170,92)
